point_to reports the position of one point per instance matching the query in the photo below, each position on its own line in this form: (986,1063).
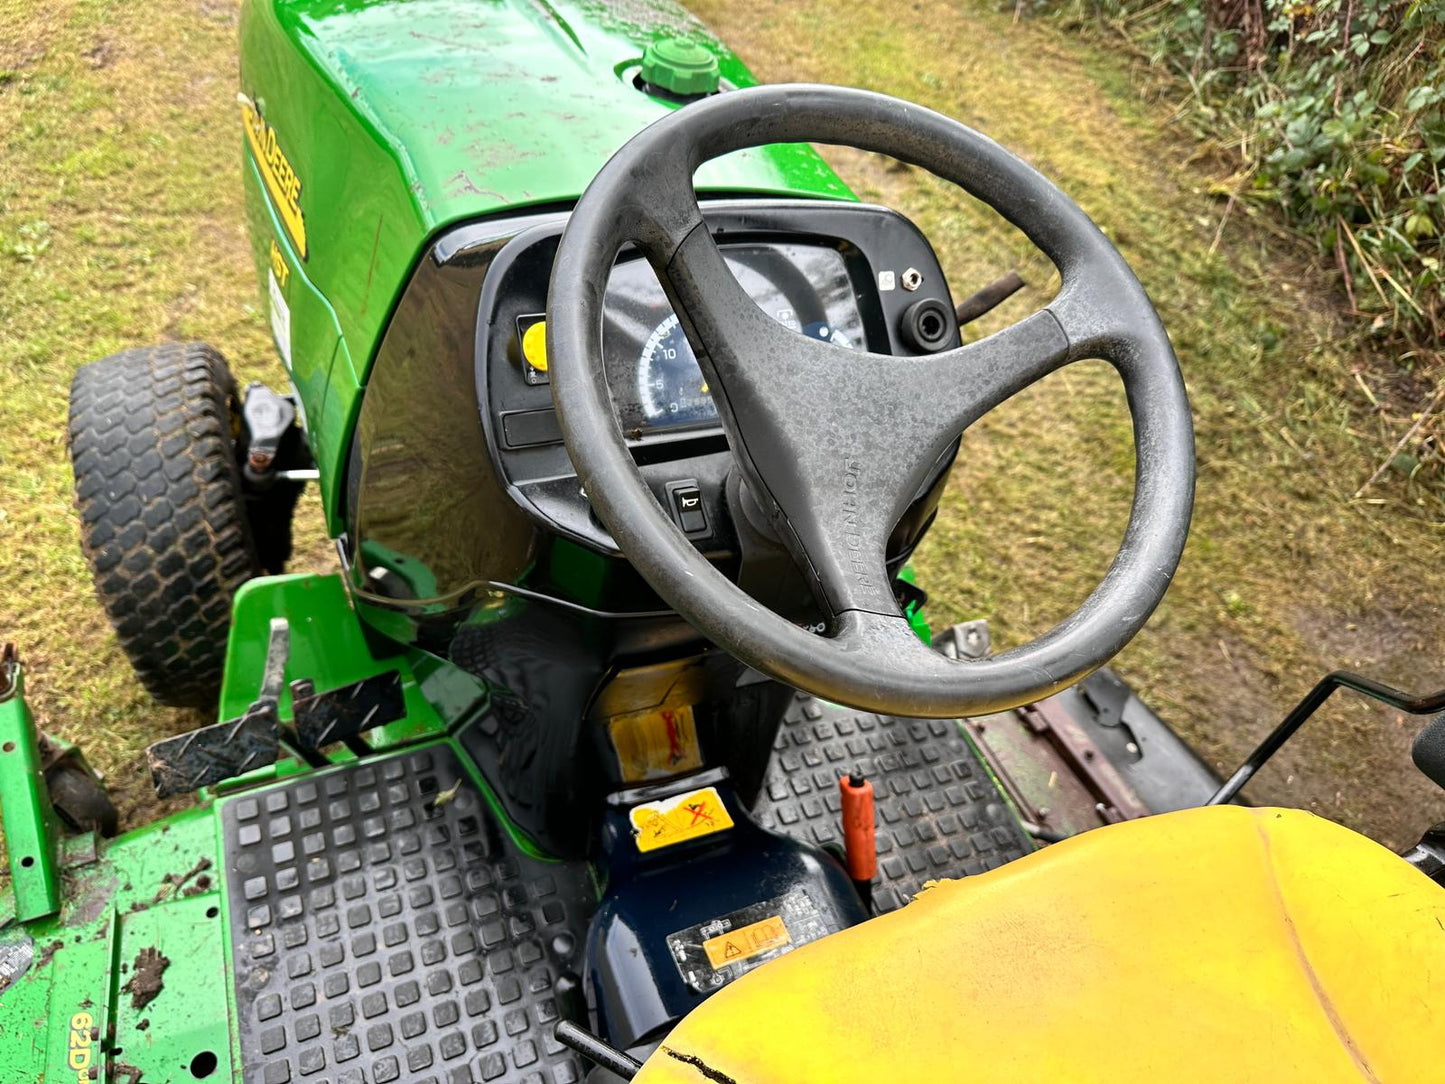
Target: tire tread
(162,517)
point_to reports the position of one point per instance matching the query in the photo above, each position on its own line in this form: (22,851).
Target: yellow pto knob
(534,346)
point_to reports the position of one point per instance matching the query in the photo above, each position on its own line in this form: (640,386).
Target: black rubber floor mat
(939,813)
(385,929)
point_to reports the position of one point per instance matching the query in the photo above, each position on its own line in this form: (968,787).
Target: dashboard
(857,276)
(457,476)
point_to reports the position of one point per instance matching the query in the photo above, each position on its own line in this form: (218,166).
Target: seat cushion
(1221,944)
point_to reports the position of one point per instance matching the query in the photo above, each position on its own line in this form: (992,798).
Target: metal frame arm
(1428,704)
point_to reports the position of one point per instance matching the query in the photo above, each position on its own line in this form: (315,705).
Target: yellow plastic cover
(1221,944)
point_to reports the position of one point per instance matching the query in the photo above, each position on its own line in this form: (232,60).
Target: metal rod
(299,475)
(1340,679)
(989,298)
(594,1049)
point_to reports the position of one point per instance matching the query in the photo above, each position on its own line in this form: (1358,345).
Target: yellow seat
(1216,945)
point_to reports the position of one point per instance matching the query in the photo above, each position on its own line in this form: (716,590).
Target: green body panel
(399,119)
(329,647)
(155,888)
(31,829)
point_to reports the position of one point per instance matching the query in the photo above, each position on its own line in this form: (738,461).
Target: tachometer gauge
(670,385)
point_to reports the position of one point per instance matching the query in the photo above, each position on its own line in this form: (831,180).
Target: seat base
(1206,945)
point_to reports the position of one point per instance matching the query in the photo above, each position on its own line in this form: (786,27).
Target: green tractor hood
(371,125)
(491,104)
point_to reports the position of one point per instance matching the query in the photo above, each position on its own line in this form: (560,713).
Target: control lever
(1429,751)
(989,298)
(860,843)
(596,1050)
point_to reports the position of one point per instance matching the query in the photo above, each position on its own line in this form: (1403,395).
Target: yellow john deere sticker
(676,820)
(281,180)
(744,944)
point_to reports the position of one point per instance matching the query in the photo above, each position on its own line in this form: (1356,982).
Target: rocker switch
(687,508)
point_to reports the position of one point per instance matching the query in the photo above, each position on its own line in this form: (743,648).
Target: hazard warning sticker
(712,954)
(688,816)
(747,942)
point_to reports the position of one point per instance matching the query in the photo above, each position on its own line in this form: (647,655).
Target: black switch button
(527,428)
(687,507)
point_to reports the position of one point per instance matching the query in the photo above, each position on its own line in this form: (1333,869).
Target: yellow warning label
(744,944)
(655,744)
(281,179)
(676,820)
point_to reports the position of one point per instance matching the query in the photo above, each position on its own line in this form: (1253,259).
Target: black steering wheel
(835,444)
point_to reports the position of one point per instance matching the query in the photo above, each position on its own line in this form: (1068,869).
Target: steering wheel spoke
(979,376)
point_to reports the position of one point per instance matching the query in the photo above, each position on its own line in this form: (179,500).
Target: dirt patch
(173,883)
(100,55)
(47,954)
(1387,635)
(145,982)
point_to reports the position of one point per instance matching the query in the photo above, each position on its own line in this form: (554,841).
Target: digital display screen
(651,368)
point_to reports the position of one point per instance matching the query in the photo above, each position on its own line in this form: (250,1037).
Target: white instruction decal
(280,319)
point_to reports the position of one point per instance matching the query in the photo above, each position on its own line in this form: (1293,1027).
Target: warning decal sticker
(747,942)
(688,816)
(711,954)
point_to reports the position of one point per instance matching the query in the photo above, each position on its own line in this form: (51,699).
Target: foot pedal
(212,754)
(220,751)
(344,714)
(191,761)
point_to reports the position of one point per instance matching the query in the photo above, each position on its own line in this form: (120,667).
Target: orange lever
(859,840)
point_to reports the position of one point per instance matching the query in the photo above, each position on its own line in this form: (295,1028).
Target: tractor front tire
(162,515)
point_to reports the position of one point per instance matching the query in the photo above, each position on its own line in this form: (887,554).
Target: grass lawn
(121,224)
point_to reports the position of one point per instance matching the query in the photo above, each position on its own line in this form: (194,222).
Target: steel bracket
(31,829)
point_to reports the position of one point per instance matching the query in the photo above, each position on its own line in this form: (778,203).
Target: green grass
(121,224)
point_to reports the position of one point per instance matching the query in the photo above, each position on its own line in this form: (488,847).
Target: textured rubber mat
(938,812)
(385,929)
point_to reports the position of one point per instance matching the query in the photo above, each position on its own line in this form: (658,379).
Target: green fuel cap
(680,67)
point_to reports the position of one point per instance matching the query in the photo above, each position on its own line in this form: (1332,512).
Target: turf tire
(162,516)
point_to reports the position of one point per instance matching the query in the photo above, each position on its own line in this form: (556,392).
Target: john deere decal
(281,180)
